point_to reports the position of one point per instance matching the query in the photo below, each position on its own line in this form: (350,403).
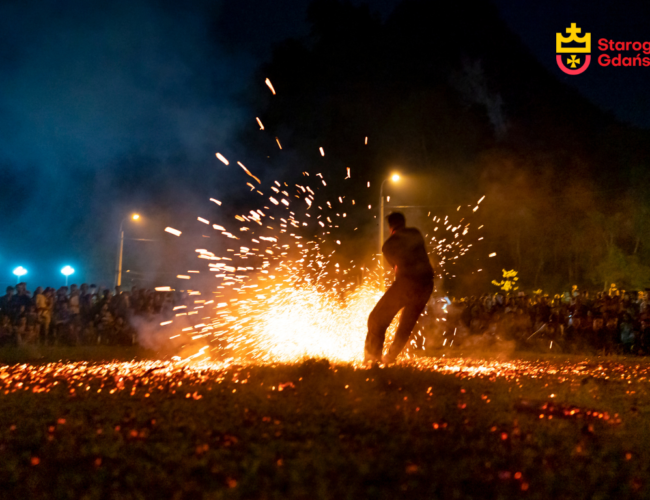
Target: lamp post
(67,271)
(20,271)
(118,271)
(394,178)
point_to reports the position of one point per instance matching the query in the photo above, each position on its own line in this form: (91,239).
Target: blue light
(20,271)
(67,271)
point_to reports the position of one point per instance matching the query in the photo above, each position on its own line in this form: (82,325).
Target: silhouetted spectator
(8,304)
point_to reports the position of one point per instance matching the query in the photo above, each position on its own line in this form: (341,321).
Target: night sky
(110,107)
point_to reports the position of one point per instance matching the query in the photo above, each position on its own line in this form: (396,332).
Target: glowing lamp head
(67,271)
(135,216)
(20,271)
(394,177)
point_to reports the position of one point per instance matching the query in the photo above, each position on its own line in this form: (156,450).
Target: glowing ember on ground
(152,376)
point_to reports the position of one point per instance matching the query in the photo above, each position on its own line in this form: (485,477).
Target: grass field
(439,428)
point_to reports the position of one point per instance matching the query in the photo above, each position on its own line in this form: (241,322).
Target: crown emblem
(573,37)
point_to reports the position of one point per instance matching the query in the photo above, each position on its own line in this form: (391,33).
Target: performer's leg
(418,297)
(380,318)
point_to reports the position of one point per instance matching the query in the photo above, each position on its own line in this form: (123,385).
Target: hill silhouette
(452,98)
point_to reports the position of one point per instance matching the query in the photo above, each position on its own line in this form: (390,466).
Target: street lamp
(20,271)
(67,271)
(118,271)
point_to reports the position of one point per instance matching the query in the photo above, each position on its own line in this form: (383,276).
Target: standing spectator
(8,304)
(85,301)
(44,305)
(612,335)
(20,331)
(22,298)
(626,329)
(62,322)
(40,303)
(6,331)
(644,336)
(86,305)
(105,300)
(74,308)
(104,323)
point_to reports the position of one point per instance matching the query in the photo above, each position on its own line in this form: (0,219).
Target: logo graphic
(577,64)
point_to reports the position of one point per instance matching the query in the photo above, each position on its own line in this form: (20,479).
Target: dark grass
(373,439)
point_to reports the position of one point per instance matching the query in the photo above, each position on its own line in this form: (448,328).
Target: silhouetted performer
(405,251)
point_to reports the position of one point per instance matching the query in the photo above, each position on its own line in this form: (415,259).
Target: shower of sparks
(280,293)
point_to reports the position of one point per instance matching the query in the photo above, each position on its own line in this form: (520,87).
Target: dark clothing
(405,249)
(411,290)
(543,311)
(8,306)
(22,300)
(403,293)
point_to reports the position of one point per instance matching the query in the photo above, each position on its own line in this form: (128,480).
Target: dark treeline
(453,98)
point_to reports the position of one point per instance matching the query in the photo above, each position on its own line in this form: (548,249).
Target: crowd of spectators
(79,315)
(574,322)
(608,323)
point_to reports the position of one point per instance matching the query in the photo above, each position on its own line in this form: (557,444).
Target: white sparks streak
(269,85)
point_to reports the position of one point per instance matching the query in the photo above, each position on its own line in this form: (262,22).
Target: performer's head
(396,221)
